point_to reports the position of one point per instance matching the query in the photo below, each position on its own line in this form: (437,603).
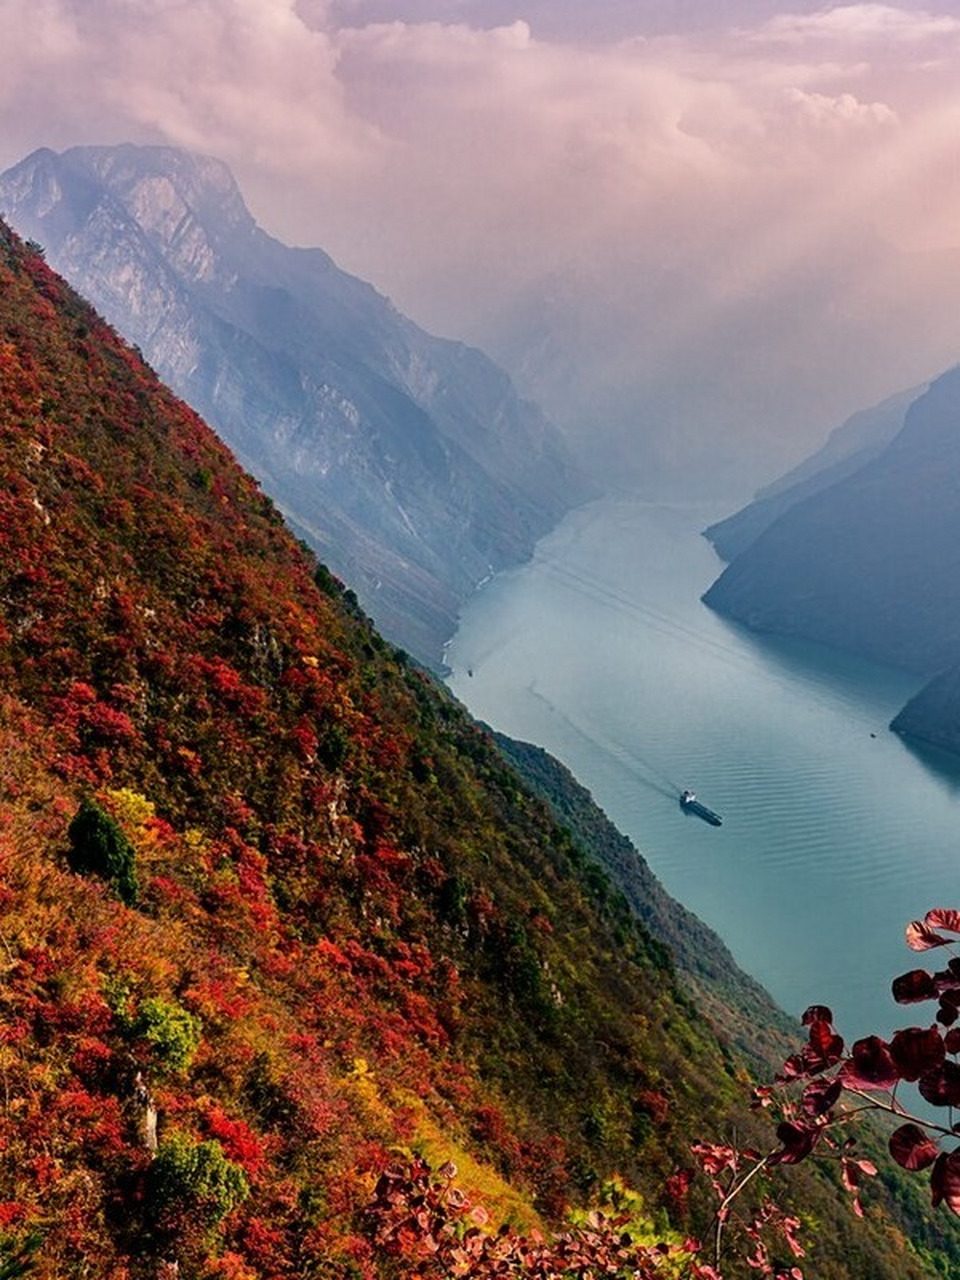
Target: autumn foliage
(272,908)
(834,1085)
(277,921)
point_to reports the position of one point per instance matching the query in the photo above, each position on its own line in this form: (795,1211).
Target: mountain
(933,715)
(274,912)
(408,462)
(849,447)
(872,563)
(862,554)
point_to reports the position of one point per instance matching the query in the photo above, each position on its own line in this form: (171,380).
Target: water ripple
(834,835)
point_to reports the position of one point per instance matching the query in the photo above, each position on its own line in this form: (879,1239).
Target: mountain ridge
(408,461)
(867,563)
(864,564)
(849,447)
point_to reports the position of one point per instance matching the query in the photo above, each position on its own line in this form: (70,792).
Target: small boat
(690,804)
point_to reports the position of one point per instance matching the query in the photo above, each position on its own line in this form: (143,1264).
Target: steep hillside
(871,564)
(273,911)
(737,1006)
(409,463)
(851,446)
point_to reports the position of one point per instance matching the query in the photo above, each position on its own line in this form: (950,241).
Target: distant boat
(690,804)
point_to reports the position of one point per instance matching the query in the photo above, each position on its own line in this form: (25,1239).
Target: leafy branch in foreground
(424,1221)
(822,1090)
(873,1073)
(434,1232)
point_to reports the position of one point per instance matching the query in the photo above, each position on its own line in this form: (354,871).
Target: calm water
(835,834)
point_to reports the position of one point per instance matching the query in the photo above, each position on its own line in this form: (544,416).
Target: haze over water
(833,838)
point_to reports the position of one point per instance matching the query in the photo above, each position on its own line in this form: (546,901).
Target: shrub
(171,1030)
(192,1187)
(99,848)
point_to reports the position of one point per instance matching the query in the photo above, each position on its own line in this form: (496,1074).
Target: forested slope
(274,912)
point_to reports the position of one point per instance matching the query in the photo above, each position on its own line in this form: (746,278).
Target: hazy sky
(713,226)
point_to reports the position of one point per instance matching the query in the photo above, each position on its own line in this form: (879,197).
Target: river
(835,833)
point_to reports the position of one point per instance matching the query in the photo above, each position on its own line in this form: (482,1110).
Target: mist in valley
(700,235)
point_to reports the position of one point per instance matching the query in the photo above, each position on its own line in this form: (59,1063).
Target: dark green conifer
(99,848)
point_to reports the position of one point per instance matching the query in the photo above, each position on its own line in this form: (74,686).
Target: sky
(701,232)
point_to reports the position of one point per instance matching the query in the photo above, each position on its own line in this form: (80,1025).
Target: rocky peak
(407,460)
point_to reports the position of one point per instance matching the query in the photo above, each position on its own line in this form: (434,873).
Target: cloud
(684,235)
(230,76)
(857,23)
(823,110)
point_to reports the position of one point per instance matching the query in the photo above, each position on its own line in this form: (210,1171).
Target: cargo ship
(690,804)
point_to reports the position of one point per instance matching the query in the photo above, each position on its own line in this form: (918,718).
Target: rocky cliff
(872,562)
(851,446)
(408,462)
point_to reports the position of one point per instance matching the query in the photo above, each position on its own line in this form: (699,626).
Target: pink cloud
(608,218)
(859,22)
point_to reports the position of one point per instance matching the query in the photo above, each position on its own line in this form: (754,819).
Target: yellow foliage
(616,1199)
(129,807)
(367,1097)
(480,1182)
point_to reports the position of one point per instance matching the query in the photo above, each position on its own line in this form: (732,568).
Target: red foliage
(168,639)
(239,1142)
(431,1227)
(873,1072)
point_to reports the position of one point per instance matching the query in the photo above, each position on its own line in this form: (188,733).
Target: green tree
(99,848)
(170,1029)
(192,1186)
(16,1259)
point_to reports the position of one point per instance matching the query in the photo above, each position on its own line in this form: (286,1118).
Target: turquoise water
(835,833)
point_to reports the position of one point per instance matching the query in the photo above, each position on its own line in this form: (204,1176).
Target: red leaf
(871,1066)
(912,1148)
(792,1069)
(820,1095)
(942,1086)
(914,986)
(945,1181)
(798,1141)
(922,938)
(678,1184)
(951,1041)
(943,918)
(825,1045)
(825,1048)
(816,1013)
(916,1051)
(850,1172)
